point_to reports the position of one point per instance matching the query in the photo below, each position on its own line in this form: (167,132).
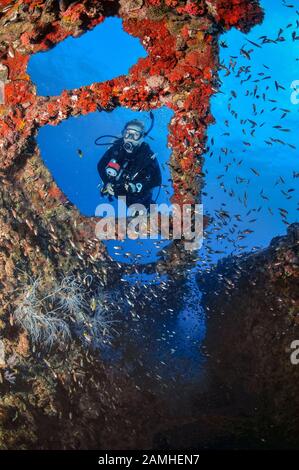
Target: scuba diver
(129,167)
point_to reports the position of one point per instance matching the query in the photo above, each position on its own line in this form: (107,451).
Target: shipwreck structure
(66,397)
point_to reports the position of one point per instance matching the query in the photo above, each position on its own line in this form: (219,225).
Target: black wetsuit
(141,166)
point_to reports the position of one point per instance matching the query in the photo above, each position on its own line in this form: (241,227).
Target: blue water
(271,162)
(98,55)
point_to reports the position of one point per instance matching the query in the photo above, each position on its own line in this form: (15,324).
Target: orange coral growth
(242,14)
(17,64)
(18,92)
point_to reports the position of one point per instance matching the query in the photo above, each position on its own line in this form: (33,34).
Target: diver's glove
(134,188)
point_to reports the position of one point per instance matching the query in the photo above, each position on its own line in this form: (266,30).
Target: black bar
(136,458)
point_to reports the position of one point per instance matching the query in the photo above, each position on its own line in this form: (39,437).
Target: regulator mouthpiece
(128,146)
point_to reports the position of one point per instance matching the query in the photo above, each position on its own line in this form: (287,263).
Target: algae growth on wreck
(144,344)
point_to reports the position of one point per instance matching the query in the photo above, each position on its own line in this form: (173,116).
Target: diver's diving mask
(132,134)
(132,138)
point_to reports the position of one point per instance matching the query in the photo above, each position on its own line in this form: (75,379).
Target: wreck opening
(101,54)
(70,153)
